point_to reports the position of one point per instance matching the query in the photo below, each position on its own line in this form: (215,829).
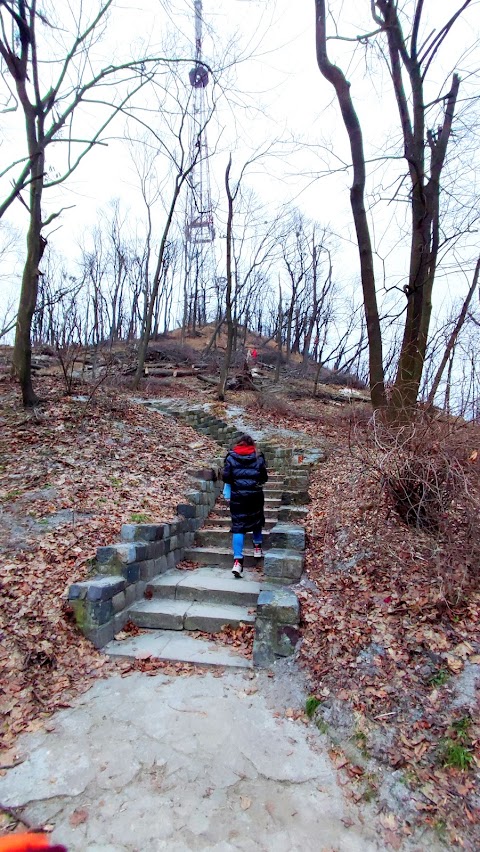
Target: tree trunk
(454,336)
(228,293)
(22,351)
(335,76)
(142,349)
(279,336)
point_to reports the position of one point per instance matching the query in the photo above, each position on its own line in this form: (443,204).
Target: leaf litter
(382,645)
(68,480)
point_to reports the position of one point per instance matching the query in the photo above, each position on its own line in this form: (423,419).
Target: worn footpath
(206,762)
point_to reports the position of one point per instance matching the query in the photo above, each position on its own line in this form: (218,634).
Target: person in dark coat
(245,471)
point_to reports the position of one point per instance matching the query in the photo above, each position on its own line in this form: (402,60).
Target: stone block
(147,569)
(115,556)
(130,594)
(287,536)
(263,654)
(206,473)
(120,620)
(131,572)
(173,542)
(192,497)
(90,615)
(140,589)
(155,549)
(161,565)
(118,602)
(174,526)
(101,635)
(279,605)
(286,640)
(282,564)
(295,497)
(296,514)
(171,560)
(142,532)
(186,509)
(104,588)
(264,629)
(99,588)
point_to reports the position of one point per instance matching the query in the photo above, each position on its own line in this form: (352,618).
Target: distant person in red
(254,355)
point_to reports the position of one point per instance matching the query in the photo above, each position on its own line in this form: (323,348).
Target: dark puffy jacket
(246,475)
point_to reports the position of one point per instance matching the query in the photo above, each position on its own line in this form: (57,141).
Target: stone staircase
(205,599)
(138,580)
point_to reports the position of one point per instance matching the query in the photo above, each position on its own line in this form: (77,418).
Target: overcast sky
(275,92)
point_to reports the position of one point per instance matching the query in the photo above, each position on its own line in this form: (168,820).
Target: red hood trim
(243,450)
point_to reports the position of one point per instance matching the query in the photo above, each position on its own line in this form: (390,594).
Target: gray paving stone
(211,618)
(226,589)
(288,536)
(281,605)
(283,564)
(159,614)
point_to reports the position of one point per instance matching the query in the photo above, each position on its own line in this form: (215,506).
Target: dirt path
(205,762)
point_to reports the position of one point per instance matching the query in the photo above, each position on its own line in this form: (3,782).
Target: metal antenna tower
(199,228)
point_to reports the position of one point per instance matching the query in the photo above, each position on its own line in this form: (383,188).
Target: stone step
(218,537)
(272,502)
(225,522)
(224,512)
(177,648)
(222,556)
(206,584)
(160,614)
(292,514)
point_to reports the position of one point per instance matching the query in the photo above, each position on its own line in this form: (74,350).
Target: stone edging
(122,570)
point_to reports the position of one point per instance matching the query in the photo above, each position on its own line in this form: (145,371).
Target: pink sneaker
(257,551)
(237,569)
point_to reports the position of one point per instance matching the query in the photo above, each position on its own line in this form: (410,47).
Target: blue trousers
(238,539)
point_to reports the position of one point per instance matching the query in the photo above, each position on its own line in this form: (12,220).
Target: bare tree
(452,340)
(426,131)
(49,91)
(182,161)
(337,78)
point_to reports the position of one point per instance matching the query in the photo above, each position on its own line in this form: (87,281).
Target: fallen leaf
(389,820)
(78,817)
(245,803)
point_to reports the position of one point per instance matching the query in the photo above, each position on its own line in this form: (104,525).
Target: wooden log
(161,372)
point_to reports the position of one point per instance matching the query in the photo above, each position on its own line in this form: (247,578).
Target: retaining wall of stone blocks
(121,571)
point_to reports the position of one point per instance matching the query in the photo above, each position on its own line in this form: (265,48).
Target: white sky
(284,96)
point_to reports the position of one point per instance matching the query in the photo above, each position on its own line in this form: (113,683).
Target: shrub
(430,476)
(273,404)
(342,378)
